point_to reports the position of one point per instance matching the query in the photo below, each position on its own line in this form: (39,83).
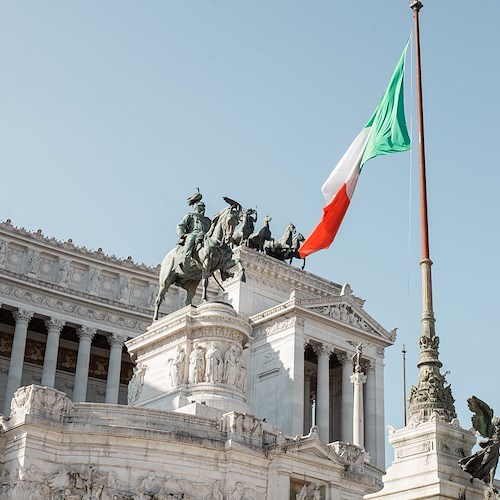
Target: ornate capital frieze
(116,340)
(53,324)
(86,333)
(368,366)
(358,378)
(23,315)
(322,350)
(344,358)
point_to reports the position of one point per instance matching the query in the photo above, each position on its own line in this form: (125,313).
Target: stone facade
(248,396)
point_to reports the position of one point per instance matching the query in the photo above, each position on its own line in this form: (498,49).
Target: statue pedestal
(194,355)
(426,465)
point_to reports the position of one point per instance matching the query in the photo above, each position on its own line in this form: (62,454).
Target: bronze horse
(214,255)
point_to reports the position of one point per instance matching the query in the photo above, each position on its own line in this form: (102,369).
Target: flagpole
(431,395)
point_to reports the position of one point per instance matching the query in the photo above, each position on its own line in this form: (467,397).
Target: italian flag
(384,133)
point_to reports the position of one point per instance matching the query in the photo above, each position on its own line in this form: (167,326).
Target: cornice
(322,309)
(68,247)
(285,274)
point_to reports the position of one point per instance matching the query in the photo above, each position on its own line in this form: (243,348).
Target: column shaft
(323,392)
(17,356)
(358,379)
(347,399)
(82,363)
(114,368)
(54,328)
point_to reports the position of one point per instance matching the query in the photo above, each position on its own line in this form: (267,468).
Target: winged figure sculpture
(482,464)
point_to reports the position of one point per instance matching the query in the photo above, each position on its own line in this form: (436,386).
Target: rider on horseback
(191,230)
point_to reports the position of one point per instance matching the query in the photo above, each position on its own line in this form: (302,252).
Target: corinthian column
(17,355)
(85,335)
(114,367)
(358,378)
(54,327)
(347,398)
(323,393)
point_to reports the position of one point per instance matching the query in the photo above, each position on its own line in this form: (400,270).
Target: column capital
(344,357)
(358,378)
(368,366)
(323,350)
(23,315)
(55,324)
(86,332)
(115,340)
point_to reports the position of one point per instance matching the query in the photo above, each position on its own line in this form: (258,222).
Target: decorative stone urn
(194,355)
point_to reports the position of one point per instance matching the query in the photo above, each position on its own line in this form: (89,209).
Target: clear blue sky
(111,113)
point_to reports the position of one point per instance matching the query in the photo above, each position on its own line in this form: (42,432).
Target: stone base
(51,448)
(426,465)
(194,355)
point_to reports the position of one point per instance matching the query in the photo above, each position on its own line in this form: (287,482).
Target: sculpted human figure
(33,262)
(177,368)
(136,382)
(63,271)
(241,379)
(214,364)
(193,227)
(3,251)
(231,365)
(197,365)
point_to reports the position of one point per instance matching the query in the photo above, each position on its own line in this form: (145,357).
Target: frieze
(66,273)
(220,332)
(275,327)
(242,491)
(87,481)
(154,347)
(81,312)
(344,314)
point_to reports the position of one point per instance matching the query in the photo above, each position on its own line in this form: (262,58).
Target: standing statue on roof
(482,464)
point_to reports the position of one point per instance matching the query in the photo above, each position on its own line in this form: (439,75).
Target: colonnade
(360,410)
(54,327)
